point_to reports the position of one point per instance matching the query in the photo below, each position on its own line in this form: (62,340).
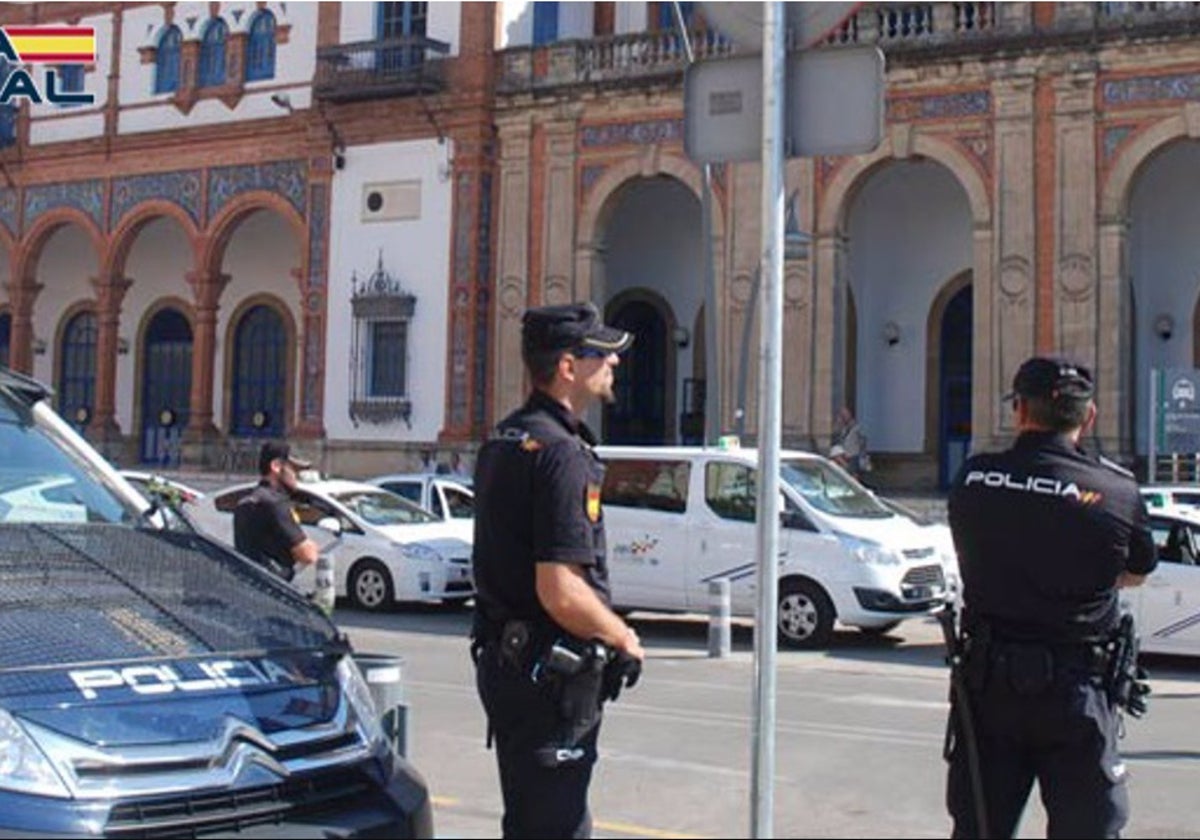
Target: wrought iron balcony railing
(378,69)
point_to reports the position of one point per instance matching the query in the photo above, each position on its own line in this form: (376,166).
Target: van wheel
(881,630)
(805,614)
(371,586)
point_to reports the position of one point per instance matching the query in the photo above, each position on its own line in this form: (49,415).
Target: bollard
(720,633)
(384,678)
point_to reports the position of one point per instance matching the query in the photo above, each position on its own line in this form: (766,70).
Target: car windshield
(830,490)
(379,507)
(45,476)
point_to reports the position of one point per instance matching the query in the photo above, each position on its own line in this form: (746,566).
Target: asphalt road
(858,740)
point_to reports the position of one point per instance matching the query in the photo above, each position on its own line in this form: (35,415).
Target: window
(647,484)
(545,22)
(388,362)
(408,489)
(260,372)
(166,61)
(729,491)
(382,312)
(401,20)
(70,78)
(77,369)
(212,54)
(260,51)
(666,15)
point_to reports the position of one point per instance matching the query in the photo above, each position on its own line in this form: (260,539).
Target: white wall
(295,65)
(53,123)
(442,23)
(1164,262)
(416,251)
(910,233)
(65,270)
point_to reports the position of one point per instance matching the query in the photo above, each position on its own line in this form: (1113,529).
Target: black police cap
(570,327)
(278,450)
(1052,378)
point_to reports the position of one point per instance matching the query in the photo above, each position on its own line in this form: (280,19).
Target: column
(558,235)
(110,293)
(829,373)
(21,295)
(201,430)
(512,264)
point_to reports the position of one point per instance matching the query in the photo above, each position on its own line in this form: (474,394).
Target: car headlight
(865,551)
(23,767)
(419,552)
(355,687)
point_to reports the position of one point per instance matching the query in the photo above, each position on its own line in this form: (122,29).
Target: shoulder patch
(1115,467)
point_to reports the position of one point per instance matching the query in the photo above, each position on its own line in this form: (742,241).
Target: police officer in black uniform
(540,570)
(1046,534)
(265,528)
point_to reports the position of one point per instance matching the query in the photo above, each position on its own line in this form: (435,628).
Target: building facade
(323,221)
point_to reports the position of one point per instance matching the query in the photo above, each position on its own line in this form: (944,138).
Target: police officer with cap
(265,526)
(1046,534)
(540,567)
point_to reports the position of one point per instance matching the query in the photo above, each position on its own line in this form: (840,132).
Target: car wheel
(371,586)
(805,614)
(881,630)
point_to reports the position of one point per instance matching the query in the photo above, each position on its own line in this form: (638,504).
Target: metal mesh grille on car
(924,576)
(94,592)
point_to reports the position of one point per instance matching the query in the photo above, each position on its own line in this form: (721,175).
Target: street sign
(1179,411)
(833,105)
(807,23)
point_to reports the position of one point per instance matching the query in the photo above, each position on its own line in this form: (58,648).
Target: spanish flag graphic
(59,44)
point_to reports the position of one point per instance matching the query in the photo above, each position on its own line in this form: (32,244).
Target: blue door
(401,20)
(259,374)
(954,437)
(639,415)
(77,370)
(166,386)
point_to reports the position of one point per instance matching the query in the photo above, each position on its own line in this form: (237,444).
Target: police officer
(1046,535)
(265,527)
(540,568)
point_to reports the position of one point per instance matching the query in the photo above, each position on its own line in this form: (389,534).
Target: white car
(1181,499)
(1166,608)
(939,534)
(448,497)
(389,549)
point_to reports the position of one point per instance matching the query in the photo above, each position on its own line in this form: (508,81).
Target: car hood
(443,536)
(894,531)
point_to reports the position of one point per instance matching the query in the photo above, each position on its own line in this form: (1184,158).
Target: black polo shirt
(265,529)
(1042,531)
(537,500)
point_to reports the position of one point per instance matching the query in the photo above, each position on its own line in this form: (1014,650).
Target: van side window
(729,490)
(647,484)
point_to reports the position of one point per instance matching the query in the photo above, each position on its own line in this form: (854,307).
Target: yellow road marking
(623,828)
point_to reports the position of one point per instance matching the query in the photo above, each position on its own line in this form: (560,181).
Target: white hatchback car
(389,550)
(448,497)
(1166,607)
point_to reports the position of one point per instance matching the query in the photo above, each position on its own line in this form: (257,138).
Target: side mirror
(330,524)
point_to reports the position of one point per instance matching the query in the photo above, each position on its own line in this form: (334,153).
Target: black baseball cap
(274,449)
(1052,377)
(570,327)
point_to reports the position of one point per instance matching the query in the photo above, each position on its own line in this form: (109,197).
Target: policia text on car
(548,648)
(1045,534)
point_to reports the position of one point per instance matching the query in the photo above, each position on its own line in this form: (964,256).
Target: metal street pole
(762,779)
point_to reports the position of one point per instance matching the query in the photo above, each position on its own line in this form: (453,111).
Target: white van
(679,517)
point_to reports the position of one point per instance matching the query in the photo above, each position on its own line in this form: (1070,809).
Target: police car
(1180,499)
(1166,608)
(677,518)
(155,683)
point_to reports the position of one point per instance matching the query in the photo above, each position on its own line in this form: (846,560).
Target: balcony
(610,61)
(378,69)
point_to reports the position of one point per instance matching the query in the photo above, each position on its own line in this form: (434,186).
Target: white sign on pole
(833,105)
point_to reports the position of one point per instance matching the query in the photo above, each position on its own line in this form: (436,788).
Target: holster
(575,674)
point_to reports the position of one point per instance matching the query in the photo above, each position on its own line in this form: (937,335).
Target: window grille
(379,350)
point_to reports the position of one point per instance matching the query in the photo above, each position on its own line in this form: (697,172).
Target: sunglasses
(589,353)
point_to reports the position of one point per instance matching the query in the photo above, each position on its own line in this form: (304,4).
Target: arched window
(259,374)
(166,61)
(212,54)
(77,370)
(5,337)
(260,51)
(166,385)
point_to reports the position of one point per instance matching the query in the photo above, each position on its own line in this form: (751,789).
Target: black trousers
(539,801)
(1065,737)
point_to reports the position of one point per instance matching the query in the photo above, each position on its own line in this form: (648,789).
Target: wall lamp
(122,346)
(1164,326)
(891,333)
(681,336)
(39,346)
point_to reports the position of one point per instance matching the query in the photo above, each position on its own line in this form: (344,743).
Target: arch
(290,342)
(1114,196)
(47,226)
(597,205)
(165,337)
(832,213)
(225,224)
(130,226)
(638,396)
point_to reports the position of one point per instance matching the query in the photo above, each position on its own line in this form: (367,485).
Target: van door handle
(703,544)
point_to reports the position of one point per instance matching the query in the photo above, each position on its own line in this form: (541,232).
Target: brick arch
(222,227)
(290,328)
(1114,196)
(850,178)
(598,202)
(130,226)
(45,227)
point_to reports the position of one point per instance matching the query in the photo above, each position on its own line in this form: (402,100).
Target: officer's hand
(632,645)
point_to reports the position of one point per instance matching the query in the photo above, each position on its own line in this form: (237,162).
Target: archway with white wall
(909,231)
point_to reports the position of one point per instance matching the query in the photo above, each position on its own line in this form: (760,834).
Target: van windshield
(830,490)
(44,476)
